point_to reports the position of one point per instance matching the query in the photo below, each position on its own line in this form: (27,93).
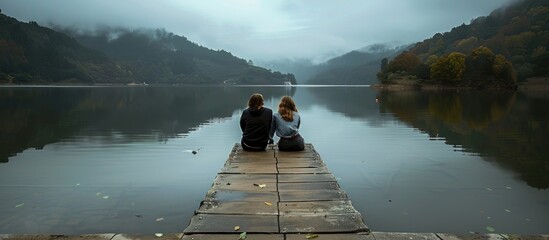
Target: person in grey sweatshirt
(286,124)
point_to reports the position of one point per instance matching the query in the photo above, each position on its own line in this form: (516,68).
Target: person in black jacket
(255,123)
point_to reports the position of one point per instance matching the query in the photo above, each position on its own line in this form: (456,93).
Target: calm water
(116,159)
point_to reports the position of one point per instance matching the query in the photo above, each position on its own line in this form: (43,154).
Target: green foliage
(406,63)
(484,68)
(448,68)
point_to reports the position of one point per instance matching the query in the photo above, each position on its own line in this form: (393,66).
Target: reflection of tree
(356,102)
(35,117)
(507,127)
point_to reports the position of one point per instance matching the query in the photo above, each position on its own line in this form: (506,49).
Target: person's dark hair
(286,108)
(256,101)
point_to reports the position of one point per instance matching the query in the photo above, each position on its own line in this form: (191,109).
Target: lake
(118,159)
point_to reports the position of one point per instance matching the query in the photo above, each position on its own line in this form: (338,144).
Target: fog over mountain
(265,30)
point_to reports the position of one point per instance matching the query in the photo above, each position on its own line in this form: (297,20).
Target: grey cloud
(265,29)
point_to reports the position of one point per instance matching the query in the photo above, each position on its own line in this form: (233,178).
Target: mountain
(303,69)
(508,45)
(355,67)
(158,56)
(31,54)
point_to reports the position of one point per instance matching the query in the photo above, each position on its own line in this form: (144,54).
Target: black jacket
(255,125)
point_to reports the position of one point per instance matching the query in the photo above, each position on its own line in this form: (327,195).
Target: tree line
(507,46)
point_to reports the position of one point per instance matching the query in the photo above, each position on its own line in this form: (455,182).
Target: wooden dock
(276,195)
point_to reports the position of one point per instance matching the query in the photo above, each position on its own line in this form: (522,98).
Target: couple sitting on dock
(259,124)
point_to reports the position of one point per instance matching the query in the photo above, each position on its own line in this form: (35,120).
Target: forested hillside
(31,54)
(158,56)
(496,50)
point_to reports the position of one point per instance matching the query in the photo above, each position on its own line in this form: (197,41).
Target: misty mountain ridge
(159,56)
(33,54)
(335,69)
(357,67)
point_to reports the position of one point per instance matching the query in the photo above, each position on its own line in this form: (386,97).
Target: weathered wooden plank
(220,223)
(266,153)
(173,236)
(245,186)
(252,159)
(300,164)
(251,168)
(253,178)
(284,178)
(404,236)
(294,160)
(317,195)
(239,196)
(233,237)
(304,170)
(236,208)
(312,208)
(308,186)
(300,154)
(347,223)
(326,236)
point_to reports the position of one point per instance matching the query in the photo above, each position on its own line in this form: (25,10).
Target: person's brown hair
(286,108)
(256,101)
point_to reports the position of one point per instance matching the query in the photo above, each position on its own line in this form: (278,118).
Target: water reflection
(504,127)
(35,117)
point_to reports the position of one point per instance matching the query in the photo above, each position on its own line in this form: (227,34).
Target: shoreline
(533,84)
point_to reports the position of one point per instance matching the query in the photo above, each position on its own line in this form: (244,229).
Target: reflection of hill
(508,128)
(354,102)
(34,117)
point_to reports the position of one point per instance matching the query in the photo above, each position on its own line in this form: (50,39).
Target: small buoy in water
(194,152)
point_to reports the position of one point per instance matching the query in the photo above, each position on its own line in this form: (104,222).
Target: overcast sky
(266,29)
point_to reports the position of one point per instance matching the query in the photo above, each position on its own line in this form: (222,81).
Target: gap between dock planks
(275,195)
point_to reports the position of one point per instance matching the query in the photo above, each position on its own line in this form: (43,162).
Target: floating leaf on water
(159,234)
(19,205)
(507,210)
(106,197)
(489,189)
(159,219)
(490,229)
(242,236)
(236,228)
(268,203)
(311,236)
(262,185)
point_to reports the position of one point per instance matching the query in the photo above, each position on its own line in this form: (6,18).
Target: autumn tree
(448,68)
(406,63)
